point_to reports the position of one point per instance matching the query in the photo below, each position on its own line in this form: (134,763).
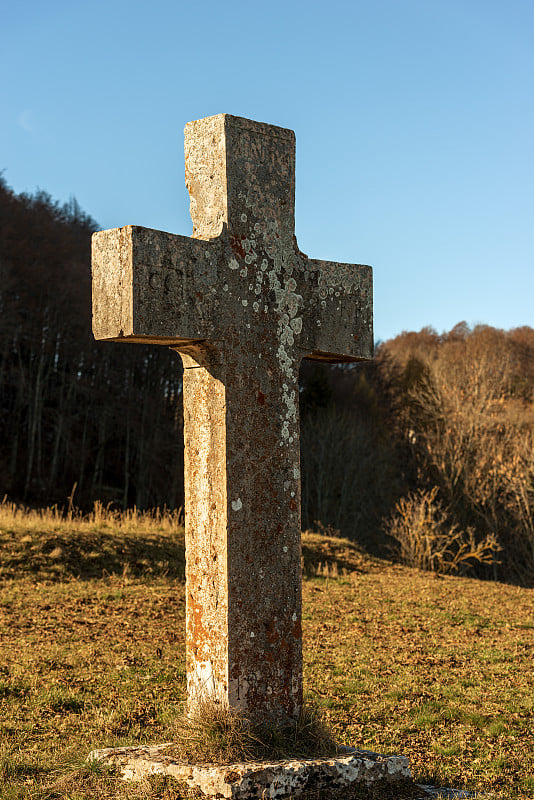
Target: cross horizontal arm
(339,324)
(153,287)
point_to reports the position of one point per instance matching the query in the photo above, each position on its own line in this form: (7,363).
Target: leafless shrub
(425,538)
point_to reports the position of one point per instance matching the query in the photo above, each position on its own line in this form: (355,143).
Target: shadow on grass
(85,552)
(86,555)
(329,556)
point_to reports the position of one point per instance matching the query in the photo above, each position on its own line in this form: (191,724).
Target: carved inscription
(252,149)
(248,148)
(261,149)
(163,282)
(166,278)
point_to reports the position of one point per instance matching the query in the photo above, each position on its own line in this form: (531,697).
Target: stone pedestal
(262,779)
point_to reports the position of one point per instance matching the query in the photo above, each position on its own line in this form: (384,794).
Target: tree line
(79,419)
(426,452)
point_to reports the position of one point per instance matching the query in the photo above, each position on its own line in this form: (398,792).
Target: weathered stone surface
(259,779)
(242,306)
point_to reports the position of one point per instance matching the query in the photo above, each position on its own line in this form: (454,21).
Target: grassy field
(92,655)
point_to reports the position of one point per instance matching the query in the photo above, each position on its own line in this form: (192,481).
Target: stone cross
(242,306)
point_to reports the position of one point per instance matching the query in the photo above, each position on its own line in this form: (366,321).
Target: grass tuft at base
(216,734)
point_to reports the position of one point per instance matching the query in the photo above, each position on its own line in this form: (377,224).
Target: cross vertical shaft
(242,538)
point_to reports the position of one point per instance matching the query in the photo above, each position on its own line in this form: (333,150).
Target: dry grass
(46,544)
(215,734)
(398,661)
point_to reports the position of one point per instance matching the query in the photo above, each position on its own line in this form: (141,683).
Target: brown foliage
(452,414)
(468,417)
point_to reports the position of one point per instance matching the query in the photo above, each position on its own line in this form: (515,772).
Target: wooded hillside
(428,449)
(101,419)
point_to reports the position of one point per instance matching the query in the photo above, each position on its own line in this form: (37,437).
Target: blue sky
(414,122)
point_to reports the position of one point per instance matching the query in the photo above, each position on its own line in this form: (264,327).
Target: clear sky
(414,122)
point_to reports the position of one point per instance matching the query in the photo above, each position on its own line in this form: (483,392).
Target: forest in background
(95,420)
(425,453)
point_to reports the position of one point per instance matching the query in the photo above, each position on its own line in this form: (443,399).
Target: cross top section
(241,179)
(246,165)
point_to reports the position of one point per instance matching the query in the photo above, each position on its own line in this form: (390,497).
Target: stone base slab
(261,779)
